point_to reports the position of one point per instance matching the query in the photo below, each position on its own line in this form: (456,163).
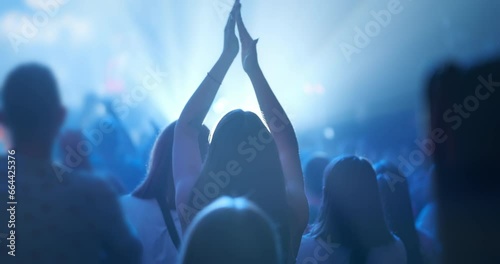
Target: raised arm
(280,126)
(187,161)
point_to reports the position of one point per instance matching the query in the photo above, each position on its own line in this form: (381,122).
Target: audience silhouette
(241,195)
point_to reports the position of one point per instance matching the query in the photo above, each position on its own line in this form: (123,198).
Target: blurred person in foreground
(73,219)
(231,230)
(464,108)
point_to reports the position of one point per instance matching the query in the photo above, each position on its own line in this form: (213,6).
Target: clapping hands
(248,44)
(231,46)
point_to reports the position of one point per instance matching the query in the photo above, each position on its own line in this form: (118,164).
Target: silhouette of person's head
(395,197)
(32,108)
(313,174)
(231,230)
(351,213)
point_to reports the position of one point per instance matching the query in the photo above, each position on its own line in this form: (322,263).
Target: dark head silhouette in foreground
(231,231)
(71,220)
(464,114)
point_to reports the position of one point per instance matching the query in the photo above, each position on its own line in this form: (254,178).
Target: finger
(236,6)
(234,11)
(231,23)
(244,35)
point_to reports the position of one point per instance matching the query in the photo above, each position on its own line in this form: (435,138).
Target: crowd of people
(244,196)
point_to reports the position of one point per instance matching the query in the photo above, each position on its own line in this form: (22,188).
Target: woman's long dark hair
(397,207)
(351,214)
(244,151)
(159,181)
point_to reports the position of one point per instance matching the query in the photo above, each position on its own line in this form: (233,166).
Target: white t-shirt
(315,251)
(146,218)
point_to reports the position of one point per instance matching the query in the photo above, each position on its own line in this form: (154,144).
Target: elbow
(181,124)
(188,127)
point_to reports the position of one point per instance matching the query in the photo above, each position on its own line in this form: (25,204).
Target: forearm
(199,104)
(283,133)
(274,114)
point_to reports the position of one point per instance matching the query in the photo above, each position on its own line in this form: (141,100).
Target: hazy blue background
(106,47)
